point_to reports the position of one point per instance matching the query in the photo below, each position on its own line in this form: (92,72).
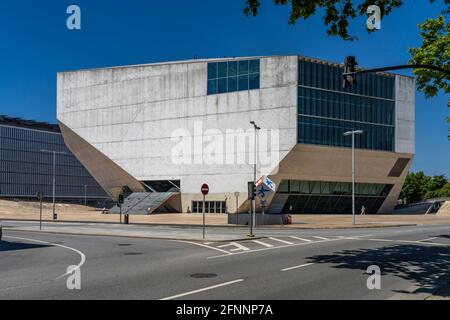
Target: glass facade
(232,76)
(332,197)
(210,207)
(25,170)
(327,110)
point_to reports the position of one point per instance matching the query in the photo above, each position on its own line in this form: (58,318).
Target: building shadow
(13,246)
(425,266)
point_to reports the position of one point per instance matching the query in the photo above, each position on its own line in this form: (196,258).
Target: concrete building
(170,127)
(26,170)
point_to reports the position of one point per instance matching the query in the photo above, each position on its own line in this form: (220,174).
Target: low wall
(266,219)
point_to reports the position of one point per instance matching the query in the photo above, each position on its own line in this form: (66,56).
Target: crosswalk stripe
(238,247)
(263,243)
(301,239)
(321,238)
(279,240)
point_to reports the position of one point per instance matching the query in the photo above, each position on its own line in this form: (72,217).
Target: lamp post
(54,175)
(353,134)
(253,218)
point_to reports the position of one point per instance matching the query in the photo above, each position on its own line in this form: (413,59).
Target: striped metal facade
(25,169)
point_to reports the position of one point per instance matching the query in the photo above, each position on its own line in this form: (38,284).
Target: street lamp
(253,218)
(54,174)
(353,134)
(85,195)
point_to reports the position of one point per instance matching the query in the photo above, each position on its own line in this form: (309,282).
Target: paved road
(286,264)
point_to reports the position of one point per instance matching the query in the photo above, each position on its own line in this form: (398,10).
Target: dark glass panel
(243,82)
(254,66)
(232,68)
(212,71)
(222,70)
(212,86)
(254,81)
(243,67)
(232,84)
(222,85)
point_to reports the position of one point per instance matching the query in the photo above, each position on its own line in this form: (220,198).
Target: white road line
(279,240)
(83,257)
(278,247)
(263,243)
(320,238)
(238,246)
(202,290)
(204,246)
(297,267)
(429,239)
(404,241)
(301,239)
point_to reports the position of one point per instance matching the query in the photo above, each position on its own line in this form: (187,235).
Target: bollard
(127,219)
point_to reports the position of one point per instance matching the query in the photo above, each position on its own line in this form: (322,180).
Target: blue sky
(35,45)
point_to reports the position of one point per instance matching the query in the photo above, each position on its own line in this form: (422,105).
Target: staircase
(143,203)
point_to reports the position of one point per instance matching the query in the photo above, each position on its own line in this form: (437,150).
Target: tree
(435,48)
(419,187)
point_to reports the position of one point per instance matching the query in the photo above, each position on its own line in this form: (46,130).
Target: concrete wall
(130,115)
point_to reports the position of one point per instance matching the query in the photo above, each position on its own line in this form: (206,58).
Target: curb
(288,227)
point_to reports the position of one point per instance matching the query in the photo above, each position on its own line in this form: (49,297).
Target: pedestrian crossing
(267,243)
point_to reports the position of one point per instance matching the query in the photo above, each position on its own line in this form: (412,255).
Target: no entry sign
(205,189)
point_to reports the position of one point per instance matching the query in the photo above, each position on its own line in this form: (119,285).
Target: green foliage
(419,186)
(337,13)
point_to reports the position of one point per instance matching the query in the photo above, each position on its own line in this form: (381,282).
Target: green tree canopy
(419,187)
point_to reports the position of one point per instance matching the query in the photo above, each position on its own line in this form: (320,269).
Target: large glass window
(331,197)
(326,110)
(231,76)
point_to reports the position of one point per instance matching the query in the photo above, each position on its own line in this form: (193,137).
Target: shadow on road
(13,246)
(424,266)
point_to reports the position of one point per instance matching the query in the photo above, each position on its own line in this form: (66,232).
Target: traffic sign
(237,194)
(205,189)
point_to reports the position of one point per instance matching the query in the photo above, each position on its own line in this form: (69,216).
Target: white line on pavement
(204,246)
(429,239)
(202,290)
(238,247)
(321,238)
(279,240)
(301,239)
(263,243)
(278,247)
(404,241)
(297,267)
(83,257)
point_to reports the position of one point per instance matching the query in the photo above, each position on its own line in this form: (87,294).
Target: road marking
(278,247)
(83,257)
(263,243)
(238,247)
(403,241)
(202,290)
(204,246)
(321,238)
(429,239)
(279,240)
(301,239)
(297,267)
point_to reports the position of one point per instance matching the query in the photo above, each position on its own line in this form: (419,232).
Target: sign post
(40,196)
(120,203)
(205,191)
(237,194)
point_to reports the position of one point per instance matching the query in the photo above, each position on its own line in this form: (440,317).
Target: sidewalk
(74,213)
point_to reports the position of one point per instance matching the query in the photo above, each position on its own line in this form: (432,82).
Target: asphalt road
(286,264)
